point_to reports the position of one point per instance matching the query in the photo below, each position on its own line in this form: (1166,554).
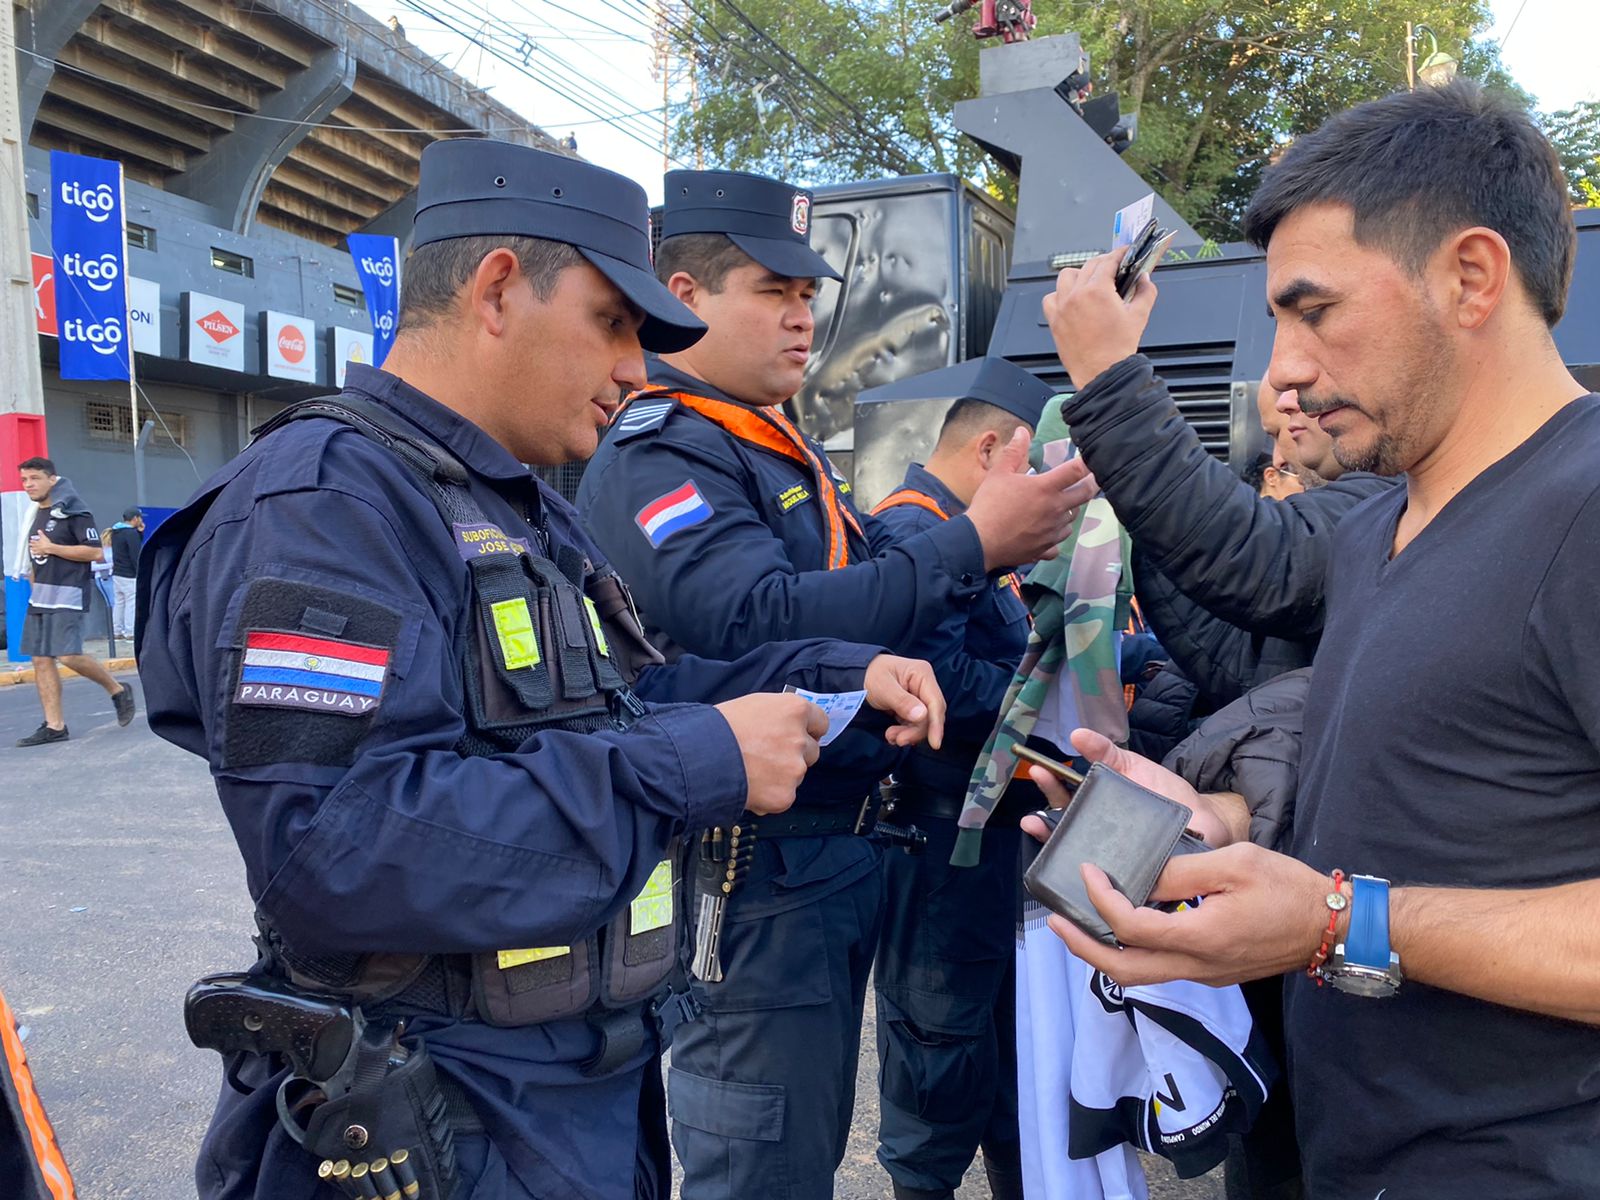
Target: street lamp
(1438,69)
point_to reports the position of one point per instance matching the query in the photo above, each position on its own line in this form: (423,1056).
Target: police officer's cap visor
(669,325)
(785,256)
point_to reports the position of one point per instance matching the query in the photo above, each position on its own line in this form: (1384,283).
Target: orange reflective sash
(908,496)
(911,496)
(771,430)
(42,1138)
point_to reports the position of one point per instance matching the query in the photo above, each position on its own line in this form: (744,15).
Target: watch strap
(1366,944)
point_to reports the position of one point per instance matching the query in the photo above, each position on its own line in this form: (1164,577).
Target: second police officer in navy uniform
(735,531)
(944,978)
(429,711)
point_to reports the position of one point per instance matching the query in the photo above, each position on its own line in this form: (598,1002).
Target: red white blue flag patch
(292,670)
(678,510)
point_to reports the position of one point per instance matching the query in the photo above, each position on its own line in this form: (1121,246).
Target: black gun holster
(388,1104)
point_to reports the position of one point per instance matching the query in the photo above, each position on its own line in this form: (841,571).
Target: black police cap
(479,187)
(766,218)
(990,379)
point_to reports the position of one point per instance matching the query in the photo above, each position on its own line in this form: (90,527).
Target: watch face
(1364,981)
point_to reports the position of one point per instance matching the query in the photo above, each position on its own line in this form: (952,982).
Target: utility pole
(1411,59)
(22,432)
(21,379)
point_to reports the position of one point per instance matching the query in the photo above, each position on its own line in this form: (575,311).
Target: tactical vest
(548,644)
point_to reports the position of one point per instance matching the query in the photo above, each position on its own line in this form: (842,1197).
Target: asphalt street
(119,886)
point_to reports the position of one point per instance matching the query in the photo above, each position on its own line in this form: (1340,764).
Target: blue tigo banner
(378,267)
(86,240)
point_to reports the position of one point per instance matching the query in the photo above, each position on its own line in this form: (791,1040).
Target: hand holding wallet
(1128,831)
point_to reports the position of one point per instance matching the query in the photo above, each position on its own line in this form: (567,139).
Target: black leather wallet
(1128,831)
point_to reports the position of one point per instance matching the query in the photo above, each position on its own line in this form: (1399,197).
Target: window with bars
(114,423)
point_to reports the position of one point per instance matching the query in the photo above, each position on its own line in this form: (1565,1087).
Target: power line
(581,96)
(600,98)
(1506,37)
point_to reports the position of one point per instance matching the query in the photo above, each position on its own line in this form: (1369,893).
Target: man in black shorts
(1444,865)
(61,546)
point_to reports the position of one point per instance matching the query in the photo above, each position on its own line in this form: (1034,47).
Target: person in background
(62,547)
(127,540)
(945,967)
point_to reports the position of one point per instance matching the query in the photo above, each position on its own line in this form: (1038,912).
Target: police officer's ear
(496,287)
(987,448)
(686,288)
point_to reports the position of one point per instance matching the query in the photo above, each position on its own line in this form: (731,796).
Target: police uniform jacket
(361,825)
(743,562)
(974,650)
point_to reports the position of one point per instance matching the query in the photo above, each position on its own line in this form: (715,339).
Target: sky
(600,55)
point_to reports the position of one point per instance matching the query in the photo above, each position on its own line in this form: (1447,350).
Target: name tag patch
(474,541)
(290,670)
(792,495)
(679,509)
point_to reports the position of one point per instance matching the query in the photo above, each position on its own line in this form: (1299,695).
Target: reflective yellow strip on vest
(594,623)
(652,908)
(516,958)
(513,626)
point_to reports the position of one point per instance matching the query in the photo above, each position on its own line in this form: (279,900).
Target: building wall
(102,468)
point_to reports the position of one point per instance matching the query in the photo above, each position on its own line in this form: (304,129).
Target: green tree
(824,91)
(1575,133)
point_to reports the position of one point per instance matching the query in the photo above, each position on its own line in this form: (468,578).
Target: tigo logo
(97,203)
(103,336)
(99,273)
(291,344)
(381,269)
(218,326)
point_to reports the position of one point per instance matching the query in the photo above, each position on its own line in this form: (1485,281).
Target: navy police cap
(992,380)
(766,218)
(479,187)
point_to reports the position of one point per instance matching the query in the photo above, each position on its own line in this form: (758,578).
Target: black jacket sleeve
(1253,747)
(1256,563)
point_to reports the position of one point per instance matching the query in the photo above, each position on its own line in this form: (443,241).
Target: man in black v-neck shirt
(1419,248)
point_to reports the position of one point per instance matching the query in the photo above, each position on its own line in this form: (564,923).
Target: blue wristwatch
(1363,964)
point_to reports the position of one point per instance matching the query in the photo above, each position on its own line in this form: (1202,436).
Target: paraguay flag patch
(293,670)
(677,510)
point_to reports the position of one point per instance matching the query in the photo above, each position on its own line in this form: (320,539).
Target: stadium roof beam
(51,26)
(165,61)
(233,177)
(117,72)
(115,104)
(195,40)
(95,130)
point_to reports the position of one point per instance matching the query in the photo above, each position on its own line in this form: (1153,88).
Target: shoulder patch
(643,416)
(672,513)
(318,674)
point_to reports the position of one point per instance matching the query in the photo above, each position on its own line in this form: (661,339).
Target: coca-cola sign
(287,344)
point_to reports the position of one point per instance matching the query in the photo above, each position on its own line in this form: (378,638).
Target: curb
(11,676)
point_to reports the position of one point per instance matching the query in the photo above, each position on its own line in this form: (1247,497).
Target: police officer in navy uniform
(456,771)
(944,976)
(735,531)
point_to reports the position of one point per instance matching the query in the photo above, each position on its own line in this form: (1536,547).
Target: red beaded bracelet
(1337,903)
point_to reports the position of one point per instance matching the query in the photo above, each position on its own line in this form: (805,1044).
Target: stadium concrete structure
(253,138)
